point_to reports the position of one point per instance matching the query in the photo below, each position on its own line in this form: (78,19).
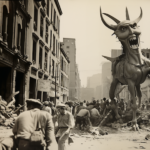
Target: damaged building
(14,64)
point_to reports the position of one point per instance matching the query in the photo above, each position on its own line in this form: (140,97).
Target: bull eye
(123,29)
(134,25)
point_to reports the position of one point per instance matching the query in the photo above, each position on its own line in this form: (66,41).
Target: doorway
(19,87)
(32,88)
(5,82)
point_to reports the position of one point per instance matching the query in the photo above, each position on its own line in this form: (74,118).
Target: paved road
(123,140)
(115,140)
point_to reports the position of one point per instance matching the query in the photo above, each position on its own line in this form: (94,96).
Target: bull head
(126,31)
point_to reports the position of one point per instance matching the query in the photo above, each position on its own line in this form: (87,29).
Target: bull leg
(114,106)
(132,91)
(139,95)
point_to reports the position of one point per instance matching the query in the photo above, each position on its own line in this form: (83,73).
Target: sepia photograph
(74,74)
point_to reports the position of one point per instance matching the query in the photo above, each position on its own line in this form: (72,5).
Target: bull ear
(139,18)
(112,27)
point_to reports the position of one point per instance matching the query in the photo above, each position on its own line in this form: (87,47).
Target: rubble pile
(8,111)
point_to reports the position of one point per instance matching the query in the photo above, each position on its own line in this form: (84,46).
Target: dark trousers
(25,145)
(81,121)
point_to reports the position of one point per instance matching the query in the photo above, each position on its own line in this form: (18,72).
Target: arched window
(5,23)
(10,26)
(19,38)
(23,38)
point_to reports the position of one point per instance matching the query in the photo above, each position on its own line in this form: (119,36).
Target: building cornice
(41,42)
(42,12)
(35,36)
(47,48)
(58,7)
(65,55)
(47,21)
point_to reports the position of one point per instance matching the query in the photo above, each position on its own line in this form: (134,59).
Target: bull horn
(127,14)
(113,18)
(139,18)
(112,27)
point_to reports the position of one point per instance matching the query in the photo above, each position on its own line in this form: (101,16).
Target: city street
(116,140)
(121,140)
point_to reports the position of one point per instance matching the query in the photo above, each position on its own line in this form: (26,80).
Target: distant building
(74,80)
(94,82)
(87,94)
(116,52)
(145,87)
(106,79)
(64,77)
(146,53)
(98,92)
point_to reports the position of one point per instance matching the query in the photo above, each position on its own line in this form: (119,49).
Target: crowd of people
(46,125)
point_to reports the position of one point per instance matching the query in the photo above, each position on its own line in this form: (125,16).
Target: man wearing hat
(65,123)
(27,123)
(46,107)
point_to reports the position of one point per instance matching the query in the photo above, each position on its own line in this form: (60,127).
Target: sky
(81,20)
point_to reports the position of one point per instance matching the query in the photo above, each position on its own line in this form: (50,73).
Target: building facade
(116,52)
(44,48)
(106,79)
(145,87)
(14,62)
(74,80)
(87,94)
(94,82)
(64,77)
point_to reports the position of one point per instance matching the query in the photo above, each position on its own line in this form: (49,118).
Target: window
(53,63)
(34,52)
(46,35)
(40,58)
(61,63)
(23,32)
(41,27)
(45,63)
(56,48)
(47,7)
(19,38)
(57,71)
(147,55)
(35,18)
(54,43)
(57,23)
(49,65)
(5,23)
(51,39)
(54,19)
(58,27)
(62,82)
(51,12)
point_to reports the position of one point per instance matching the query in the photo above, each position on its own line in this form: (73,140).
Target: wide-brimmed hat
(61,105)
(34,101)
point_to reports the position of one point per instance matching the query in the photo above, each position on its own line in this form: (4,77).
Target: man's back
(27,121)
(94,112)
(83,112)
